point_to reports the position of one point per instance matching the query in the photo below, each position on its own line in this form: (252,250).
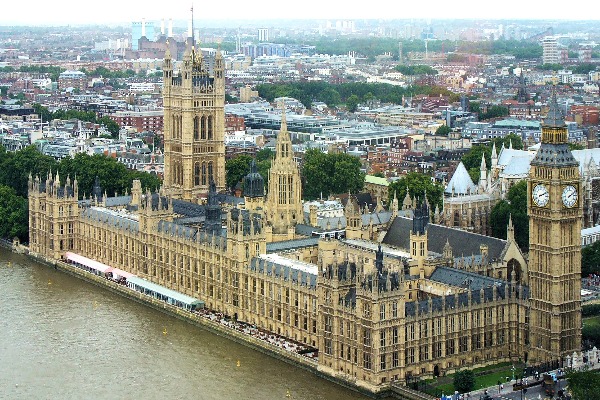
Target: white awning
(93,264)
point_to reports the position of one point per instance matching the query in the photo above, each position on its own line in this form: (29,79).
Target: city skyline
(118,12)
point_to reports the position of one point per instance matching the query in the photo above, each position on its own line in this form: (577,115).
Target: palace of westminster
(392,297)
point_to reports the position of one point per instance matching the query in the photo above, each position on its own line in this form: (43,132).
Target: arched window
(203,128)
(514,270)
(204,173)
(197,174)
(210,127)
(196,128)
(210,171)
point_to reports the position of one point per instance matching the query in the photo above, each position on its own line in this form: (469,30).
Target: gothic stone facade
(376,315)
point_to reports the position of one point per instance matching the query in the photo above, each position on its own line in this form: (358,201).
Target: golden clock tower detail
(555,213)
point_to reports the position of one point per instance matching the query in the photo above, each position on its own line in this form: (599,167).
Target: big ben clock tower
(555,212)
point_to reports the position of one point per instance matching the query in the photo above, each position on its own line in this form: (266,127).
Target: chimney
(170,27)
(313,215)
(143,27)
(162,27)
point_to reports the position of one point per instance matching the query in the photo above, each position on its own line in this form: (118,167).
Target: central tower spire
(284,199)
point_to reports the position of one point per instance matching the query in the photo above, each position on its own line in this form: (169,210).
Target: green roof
(517,123)
(376,180)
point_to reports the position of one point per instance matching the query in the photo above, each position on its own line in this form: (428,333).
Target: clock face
(540,195)
(569,196)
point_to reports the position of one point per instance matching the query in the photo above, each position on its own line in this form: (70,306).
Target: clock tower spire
(555,212)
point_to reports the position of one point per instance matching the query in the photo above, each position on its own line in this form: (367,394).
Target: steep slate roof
(117,201)
(361,199)
(517,167)
(290,270)
(584,157)
(294,244)
(111,217)
(464,279)
(462,242)
(461,182)
(377,218)
(188,209)
(506,156)
(555,117)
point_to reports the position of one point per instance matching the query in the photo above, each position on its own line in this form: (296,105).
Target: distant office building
(139,30)
(263,34)
(550,50)
(247,94)
(150,121)
(75,79)
(584,54)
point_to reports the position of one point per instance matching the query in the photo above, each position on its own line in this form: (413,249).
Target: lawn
(500,372)
(592,322)
(591,330)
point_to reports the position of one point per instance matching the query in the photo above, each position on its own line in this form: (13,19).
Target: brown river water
(63,338)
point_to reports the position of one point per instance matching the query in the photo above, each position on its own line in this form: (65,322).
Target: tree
(229,99)
(590,259)
(494,111)
(516,207)
(583,68)
(511,139)
(417,184)
(584,385)
(16,167)
(443,130)
(499,219)
(464,381)
(236,168)
(265,154)
(114,177)
(148,181)
(551,67)
(324,174)
(110,125)
(331,97)
(415,70)
(472,160)
(43,112)
(352,103)
(576,146)
(14,215)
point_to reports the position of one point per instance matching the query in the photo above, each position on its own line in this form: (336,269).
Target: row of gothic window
(203,127)
(203,173)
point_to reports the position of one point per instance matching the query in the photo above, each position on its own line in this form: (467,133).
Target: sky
(80,12)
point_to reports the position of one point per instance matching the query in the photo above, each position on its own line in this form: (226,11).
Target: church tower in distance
(284,199)
(555,214)
(194,125)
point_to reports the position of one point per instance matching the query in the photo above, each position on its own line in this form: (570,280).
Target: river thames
(63,338)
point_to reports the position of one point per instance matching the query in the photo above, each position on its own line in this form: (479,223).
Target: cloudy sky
(61,12)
